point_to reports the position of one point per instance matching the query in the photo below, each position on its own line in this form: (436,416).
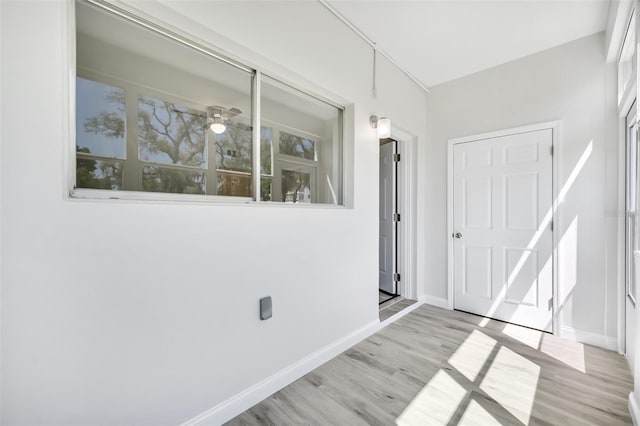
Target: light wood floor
(393,306)
(383,297)
(435,366)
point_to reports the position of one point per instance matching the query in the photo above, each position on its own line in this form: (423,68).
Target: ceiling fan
(217,115)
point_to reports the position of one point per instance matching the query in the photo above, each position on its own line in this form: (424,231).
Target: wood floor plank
(393,306)
(435,366)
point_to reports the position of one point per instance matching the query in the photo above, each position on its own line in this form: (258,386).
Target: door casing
(408,265)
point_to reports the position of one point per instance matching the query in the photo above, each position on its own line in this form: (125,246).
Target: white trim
(69,102)
(450,263)
(634,410)
(246,399)
(65,16)
(556,138)
(621,232)
(618,22)
(137,197)
(407,235)
(627,98)
(505,132)
(589,338)
(256,104)
(440,302)
(398,315)
(556,316)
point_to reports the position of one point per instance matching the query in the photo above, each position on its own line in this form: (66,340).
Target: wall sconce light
(382,124)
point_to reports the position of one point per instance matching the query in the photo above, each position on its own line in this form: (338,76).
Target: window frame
(632,200)
(209,50)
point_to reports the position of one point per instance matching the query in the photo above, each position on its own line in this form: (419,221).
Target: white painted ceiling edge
(442,40)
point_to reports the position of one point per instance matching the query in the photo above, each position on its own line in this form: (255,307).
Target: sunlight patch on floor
(565,351)
(483,323)
(472,354)
(512,381)
(475,415)
(436,403)
(524,335)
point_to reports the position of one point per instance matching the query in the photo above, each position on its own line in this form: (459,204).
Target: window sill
(85,194)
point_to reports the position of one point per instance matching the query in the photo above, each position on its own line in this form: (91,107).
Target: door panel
(387,232)
(502,200)
(478,272)
(477,203)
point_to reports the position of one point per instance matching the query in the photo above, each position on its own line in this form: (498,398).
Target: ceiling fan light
(218,128)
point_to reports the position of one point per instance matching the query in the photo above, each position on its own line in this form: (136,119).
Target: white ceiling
(441,40)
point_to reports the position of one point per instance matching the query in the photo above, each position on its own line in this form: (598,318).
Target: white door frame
(407,207)
(555,127)
(625,104)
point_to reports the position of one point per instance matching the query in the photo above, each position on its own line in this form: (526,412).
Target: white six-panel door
(502,237)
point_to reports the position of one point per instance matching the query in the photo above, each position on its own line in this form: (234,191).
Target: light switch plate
(266,310)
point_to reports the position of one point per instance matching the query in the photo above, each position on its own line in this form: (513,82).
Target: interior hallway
(435,366)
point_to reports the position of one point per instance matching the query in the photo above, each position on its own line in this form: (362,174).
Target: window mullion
(256,134)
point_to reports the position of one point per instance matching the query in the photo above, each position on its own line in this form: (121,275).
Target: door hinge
(551,303)
(396,277)
(551,225)
(396,157)
(552,150)
(396,217)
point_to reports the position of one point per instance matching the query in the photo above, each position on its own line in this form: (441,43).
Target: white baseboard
(590,338)
(400,314)
(634,410)
(246,399)
(435,301)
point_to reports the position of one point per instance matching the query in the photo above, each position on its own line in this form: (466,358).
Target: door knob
(457,235)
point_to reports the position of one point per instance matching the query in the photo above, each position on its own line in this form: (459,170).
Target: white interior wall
(1,117)
(122,312)
(570,83)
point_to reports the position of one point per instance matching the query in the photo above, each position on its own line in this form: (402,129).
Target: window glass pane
(234,184)
(170,133)
(266,151)
(266,189)
(233,147)
(307,132)
(177,181)
(98,174)
(100,120)
(297,146)
(169,95)
(296,187)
